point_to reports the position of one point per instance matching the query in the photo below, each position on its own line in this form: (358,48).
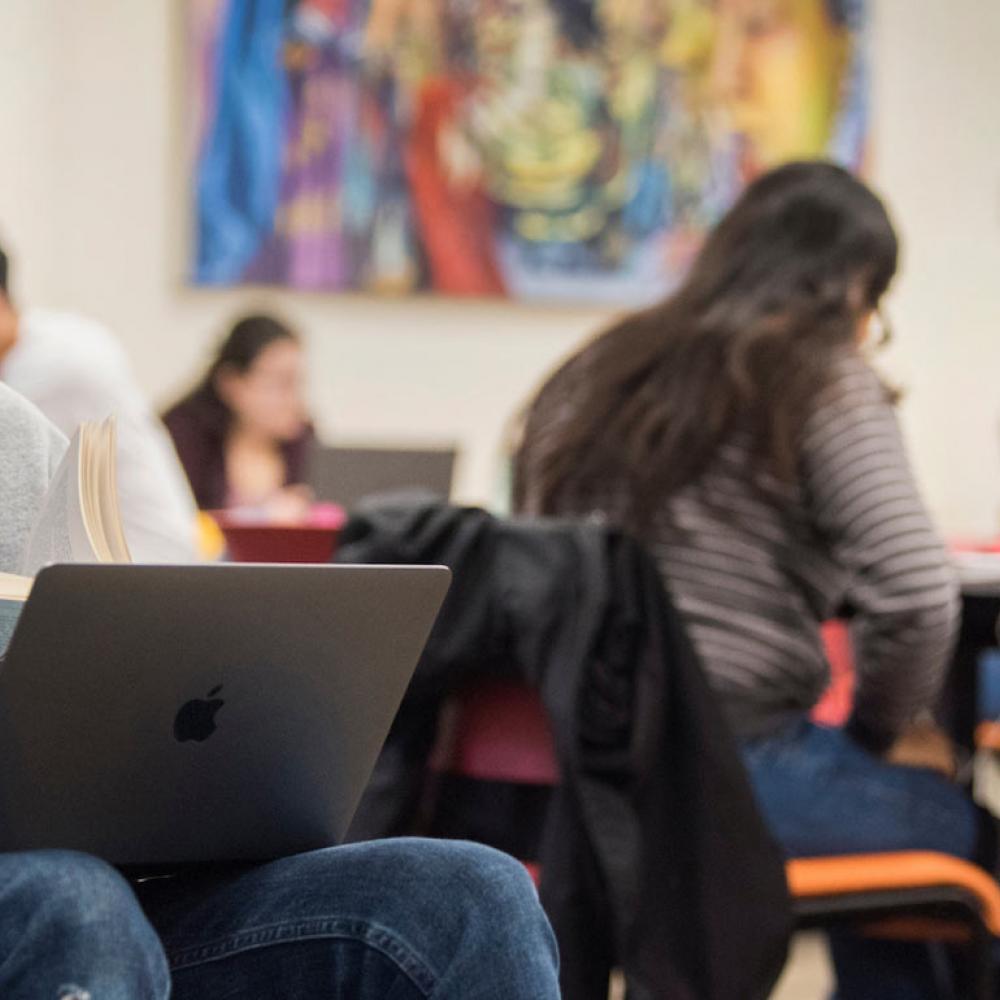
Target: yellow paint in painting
(777,69)
(687,44)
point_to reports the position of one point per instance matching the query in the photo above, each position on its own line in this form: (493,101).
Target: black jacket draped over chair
(654,856)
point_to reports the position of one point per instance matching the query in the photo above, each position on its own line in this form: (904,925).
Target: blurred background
(94,192)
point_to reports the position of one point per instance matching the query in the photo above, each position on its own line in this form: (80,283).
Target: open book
(79,520)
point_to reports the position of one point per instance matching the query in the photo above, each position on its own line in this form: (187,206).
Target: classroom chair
(499,732)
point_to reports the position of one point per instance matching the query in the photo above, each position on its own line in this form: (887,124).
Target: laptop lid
(175,714)
(347,475)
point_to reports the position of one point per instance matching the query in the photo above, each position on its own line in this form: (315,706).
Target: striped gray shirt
(754,566)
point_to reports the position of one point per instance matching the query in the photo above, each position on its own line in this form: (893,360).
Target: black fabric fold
(654,856)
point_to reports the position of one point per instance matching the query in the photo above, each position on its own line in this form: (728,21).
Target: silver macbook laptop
(161,715)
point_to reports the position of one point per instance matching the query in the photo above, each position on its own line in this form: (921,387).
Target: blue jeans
(822,794)
(394,920)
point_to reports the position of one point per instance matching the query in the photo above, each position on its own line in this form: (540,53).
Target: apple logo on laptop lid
(195,719)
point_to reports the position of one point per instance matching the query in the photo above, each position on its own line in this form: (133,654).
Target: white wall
(27,87)
(97,89)
(938,162)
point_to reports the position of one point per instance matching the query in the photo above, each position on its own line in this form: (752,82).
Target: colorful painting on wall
(550,150)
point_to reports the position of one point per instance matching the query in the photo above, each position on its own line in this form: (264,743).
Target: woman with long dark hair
(242,433)
(739,430)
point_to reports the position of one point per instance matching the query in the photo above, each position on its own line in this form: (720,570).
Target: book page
(106,485)
(60,534)
(14,587)
(90,461)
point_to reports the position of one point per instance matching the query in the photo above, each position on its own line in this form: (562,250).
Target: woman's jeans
(824,794)
(393,920)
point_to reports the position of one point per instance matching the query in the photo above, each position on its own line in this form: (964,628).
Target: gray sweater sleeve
(864,503)
(30,450)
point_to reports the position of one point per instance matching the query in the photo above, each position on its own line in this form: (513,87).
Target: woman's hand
(924,744)
(289,505)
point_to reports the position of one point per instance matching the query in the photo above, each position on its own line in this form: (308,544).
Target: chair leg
(982,963)
(979,977)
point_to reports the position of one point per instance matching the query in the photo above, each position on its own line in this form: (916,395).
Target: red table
(312,541)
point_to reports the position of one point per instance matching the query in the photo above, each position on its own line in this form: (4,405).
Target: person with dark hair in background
(243,433)
(738,429)
(74,370)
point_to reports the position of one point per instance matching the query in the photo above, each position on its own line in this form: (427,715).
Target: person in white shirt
(74,370)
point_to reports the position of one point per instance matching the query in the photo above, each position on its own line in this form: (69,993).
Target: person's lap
(823,794)
(388,913)
(397,920)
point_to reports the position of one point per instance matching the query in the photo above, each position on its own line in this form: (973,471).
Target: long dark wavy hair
(746,343)
(240,349)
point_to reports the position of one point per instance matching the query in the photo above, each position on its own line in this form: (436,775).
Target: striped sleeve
(862,499)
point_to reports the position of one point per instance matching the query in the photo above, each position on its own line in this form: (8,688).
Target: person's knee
(470,878)
(483,871)
(484,881)
(498,919)
(71,890)
(76,906)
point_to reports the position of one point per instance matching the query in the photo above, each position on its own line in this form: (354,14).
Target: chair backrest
(828,878)
(834,708)
(346,475)
(500,731)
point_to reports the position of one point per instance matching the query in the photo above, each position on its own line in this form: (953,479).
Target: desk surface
(978,571)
